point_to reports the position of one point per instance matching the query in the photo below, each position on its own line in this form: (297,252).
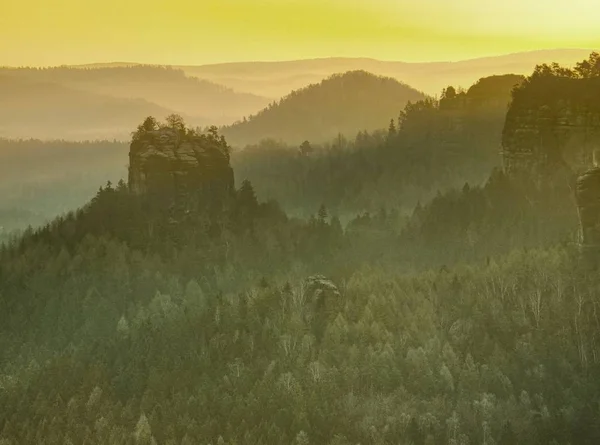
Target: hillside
(552,129)
(44,179)
(343,103)
(201,100)
(494,91)
(47,110)
(130,323)
(275,79)
(434,145)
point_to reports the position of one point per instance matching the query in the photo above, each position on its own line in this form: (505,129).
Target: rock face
(552,127)
(172,167)
(323,295)
(325,301)
(588,205)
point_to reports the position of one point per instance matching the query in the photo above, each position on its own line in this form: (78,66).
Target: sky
(194,32)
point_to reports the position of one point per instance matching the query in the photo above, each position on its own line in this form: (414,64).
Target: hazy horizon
(67,32)
(299,222)
(110,62)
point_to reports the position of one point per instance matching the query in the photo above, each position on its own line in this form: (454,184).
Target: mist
(328,251)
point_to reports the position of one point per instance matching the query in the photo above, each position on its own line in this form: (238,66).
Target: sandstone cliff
(552,127)
(173,166)
(588,206)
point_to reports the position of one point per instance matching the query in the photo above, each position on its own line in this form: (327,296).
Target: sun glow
(40,32)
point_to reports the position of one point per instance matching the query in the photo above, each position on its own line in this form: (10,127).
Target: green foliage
(119,343)
(392,129)
(448,93)
(176,122)
(210,138)
(433,146)
(470,320)
(343,103)
(590,67)
(306,148)
(151,124)
(44,179)
(485,221)
(107,101)
(555,81)
(556,97)
(582,70)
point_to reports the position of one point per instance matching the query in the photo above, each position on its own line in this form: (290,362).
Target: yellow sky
(51,32)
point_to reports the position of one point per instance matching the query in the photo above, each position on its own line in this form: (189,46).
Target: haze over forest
(103,101)
(320,222)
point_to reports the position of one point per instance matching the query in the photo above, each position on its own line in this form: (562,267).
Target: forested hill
(43,179)
(433,145)
(215,318)
(128,323)
(40,109)
(343,103)
(552,128)
(105,91)
(274,79)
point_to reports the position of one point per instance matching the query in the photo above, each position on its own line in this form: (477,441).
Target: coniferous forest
(402,287)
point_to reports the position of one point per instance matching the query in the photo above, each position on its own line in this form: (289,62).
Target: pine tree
(176,122)
(247,196)
(508,436)
(143,432)
(305,148)
(150,124)
(322,215)
(247,205)
(392,129)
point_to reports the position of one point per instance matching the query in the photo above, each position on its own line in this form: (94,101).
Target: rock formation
(588,205)
(323,295)
(552,127)
(178,167)
(325,301)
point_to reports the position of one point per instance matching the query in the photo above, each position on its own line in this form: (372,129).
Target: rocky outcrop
(325,302)
(323,295)
(172,166)
(319,288)
(588,205)
(552,127)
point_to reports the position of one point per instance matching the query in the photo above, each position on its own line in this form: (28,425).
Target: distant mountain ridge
(275,79)
(343,103)
(435,146)
(162,90)
(47,110)
(116,94)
